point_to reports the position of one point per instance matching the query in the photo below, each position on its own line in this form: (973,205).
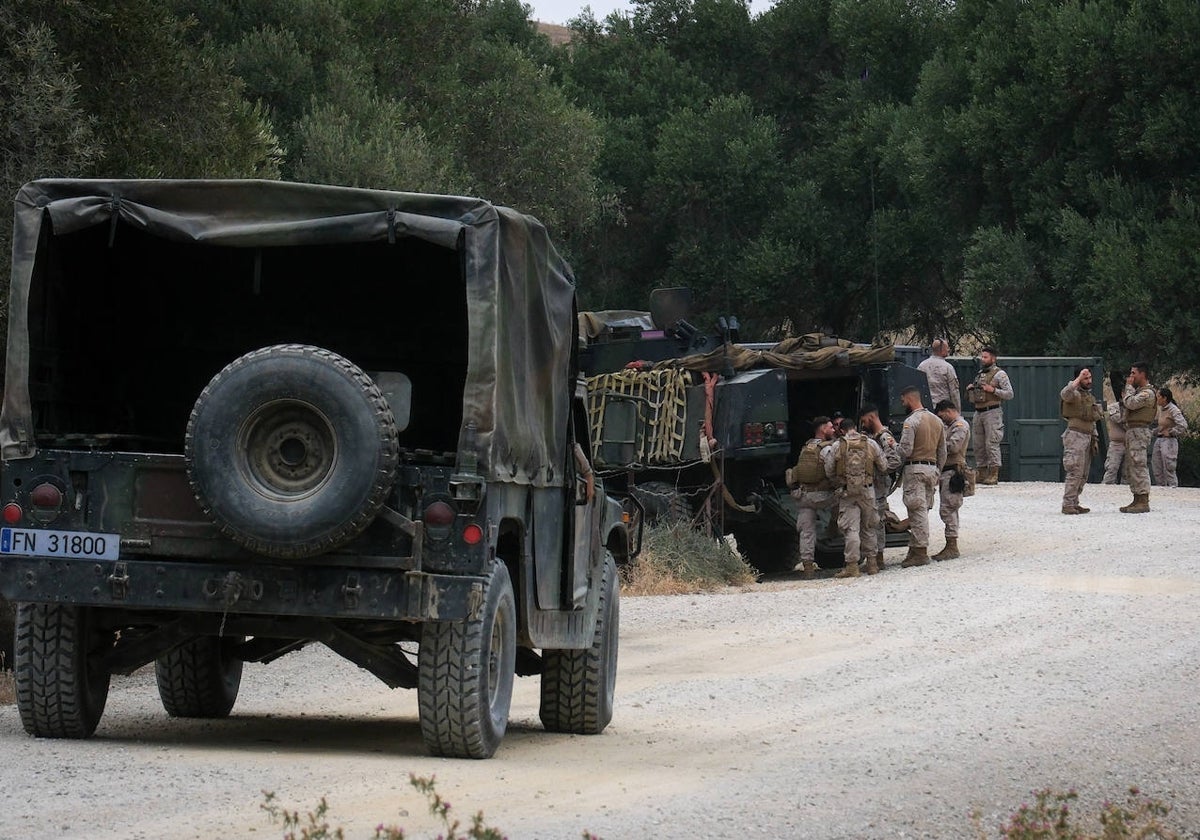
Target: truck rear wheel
(578,685)
(62,679)
(200,678)
(465,675)
(291,450)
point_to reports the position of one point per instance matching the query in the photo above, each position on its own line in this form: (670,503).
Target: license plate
(31,542)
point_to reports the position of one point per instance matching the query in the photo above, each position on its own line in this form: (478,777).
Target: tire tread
(389,454)
(50,673)
(191,683)
(574,682)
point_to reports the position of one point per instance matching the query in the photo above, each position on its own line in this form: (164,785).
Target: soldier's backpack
(809,469)
(855,464)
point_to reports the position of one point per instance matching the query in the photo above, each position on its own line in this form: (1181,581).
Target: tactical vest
(925,436)
(981,398)
(1139,418)
(884,439)
(855,465)
(809,471)
(1081,413)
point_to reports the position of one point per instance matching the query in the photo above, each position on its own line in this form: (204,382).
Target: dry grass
(8,691)
(679,560)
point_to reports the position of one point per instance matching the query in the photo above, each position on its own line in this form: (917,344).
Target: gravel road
(1059,651)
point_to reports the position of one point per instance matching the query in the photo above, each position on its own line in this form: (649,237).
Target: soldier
(1171,424)
(1140,402)
(1116,431)
(812,490)
(943,379)
(923,447)
(870,424)
(1079,439)
(990,388)
(953,476)
(852,464)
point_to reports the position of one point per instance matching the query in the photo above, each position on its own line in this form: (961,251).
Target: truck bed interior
(127,328)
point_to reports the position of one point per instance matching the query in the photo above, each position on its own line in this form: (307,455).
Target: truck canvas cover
(519,291)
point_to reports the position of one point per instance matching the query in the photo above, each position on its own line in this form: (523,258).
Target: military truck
(243,417)
(690,419)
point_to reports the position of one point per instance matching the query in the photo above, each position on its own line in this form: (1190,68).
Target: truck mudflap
(262,589)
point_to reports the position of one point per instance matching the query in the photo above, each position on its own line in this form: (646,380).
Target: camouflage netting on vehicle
(808,352)
(661,399)
(519,291)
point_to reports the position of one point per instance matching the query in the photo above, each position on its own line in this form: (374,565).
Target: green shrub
(1188,468)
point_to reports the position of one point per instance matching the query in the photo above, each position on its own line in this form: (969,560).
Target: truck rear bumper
(255,589)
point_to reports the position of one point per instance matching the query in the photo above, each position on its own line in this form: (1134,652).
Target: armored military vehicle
(688,418)
(242,417)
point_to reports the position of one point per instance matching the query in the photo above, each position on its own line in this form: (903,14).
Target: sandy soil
(1059,651)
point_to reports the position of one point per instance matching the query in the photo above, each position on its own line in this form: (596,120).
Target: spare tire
(291,450)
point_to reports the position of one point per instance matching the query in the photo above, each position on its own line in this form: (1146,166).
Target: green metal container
(1033,424)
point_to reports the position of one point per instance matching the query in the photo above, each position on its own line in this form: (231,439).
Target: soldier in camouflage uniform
(812,491)
(1080,440)
(940,374)
(1116,439)
(1140,402)
(987,393)
(870,424)
(852,464)
(953,475)
(923,447)
(1170,424)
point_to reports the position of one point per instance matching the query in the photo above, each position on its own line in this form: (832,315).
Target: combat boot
(917,556)
(851,570)
(991,475)
(950,552)
(1140,504)
(1070,510)
(879,562)
(808,567)
(872,565)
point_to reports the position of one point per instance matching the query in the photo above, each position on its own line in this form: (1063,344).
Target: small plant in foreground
(1050,818)
(314,825)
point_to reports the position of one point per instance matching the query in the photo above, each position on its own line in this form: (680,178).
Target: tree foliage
(1023,171)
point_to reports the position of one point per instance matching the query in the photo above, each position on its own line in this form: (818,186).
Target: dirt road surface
(1059,651)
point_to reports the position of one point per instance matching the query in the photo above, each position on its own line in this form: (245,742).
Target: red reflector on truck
(46,496)
(472,534)
(12,513)
(439,514)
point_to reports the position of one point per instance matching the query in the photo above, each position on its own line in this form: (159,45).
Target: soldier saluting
(1079,439)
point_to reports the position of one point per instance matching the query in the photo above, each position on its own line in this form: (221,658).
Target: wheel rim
(496,672)
(288,450)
